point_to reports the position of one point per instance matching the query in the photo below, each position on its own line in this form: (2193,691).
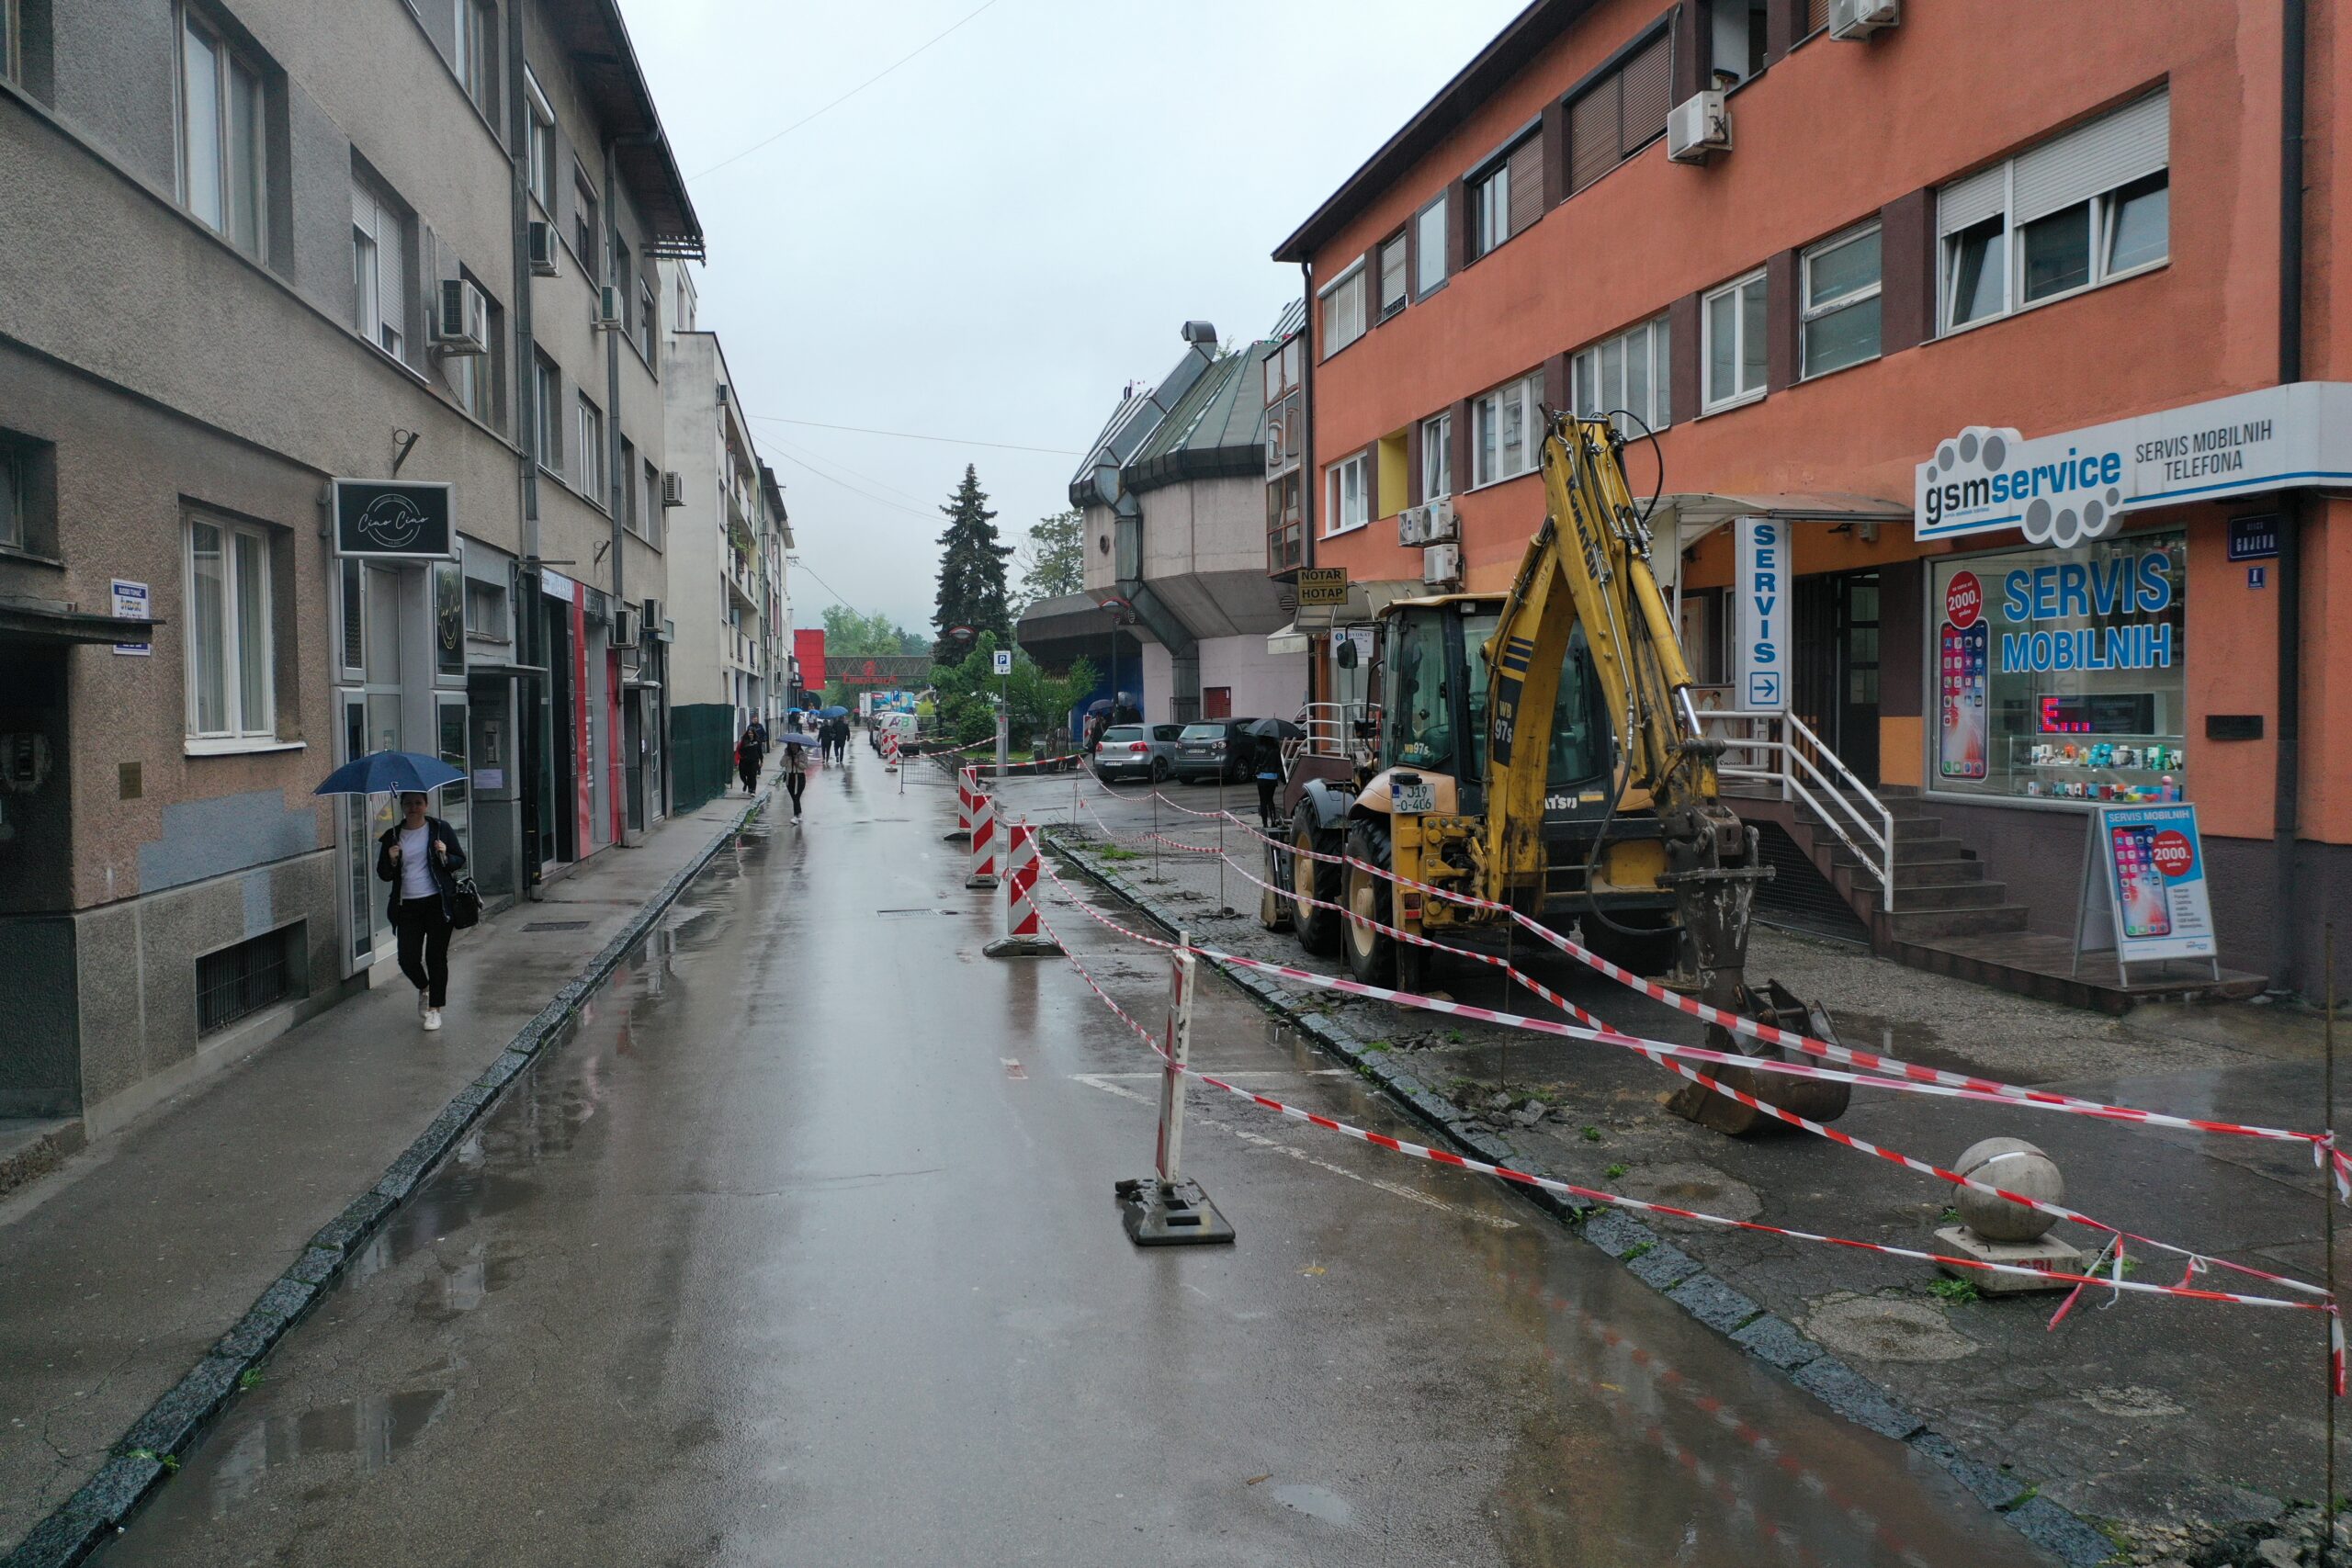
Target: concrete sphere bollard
(2018,1166)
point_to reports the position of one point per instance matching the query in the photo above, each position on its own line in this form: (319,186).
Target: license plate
(1414,799)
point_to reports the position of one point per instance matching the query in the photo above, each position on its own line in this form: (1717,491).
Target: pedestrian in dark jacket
(1270,777)
(421,857)
(749,753)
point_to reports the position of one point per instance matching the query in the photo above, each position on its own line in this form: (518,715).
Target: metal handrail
(1778,748)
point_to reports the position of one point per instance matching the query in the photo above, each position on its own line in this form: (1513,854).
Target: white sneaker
(424,1006)
(432,1019)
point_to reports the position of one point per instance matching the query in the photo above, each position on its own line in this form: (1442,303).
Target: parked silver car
(1136,751)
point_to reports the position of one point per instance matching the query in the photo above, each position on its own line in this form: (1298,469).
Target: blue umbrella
(832,713)
(386,773)
(796,738)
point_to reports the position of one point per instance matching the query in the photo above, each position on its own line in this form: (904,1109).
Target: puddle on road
(1320,1502)
(370,1432)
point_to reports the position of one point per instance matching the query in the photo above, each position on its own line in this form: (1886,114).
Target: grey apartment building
(330,420)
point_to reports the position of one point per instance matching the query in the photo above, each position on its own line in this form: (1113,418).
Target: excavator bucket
(1814,1099)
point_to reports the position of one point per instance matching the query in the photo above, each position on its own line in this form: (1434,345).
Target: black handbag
(465,903)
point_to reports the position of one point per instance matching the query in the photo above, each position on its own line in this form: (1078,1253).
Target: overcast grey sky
(993,239)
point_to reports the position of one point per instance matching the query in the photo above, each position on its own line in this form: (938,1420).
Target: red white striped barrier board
(890,751)
(1618,1201)
(983,840)
(968,784)
(1662,1053)
(1020,881)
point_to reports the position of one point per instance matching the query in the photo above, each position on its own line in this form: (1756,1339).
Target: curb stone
(1656,1261)
(148,1451)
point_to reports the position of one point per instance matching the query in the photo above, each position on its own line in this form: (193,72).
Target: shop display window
(2057,674)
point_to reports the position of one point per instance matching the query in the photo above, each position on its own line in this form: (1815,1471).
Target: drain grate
(556,926)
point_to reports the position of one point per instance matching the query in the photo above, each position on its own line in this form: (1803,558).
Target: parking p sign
(1762,619)
(1004,661)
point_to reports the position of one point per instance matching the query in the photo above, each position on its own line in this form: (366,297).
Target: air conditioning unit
(545,250)
(461,321)
(1857,19)
(608,307)
(673,489)
(1431,524)
(1441,564)
(1698,128)
(625,627)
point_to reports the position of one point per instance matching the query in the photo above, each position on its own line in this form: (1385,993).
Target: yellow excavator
(1541,750)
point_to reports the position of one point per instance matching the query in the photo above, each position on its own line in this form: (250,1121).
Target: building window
(12,48)
(1840,323)
(230,645)
(1283,497)
(592,451)
(1429,247)
(1506,430)
(2080,209)
(1349,502)
(1508,199)
(1343,311)
(1738,42)
(548,408)
(1392,276)
(239,981)
(1732,322)
(1628,374)
(586,237)
(486,612)
(478,382)
(1437,458)
(475,58)
(542,146)
(28,495)
(653,514)
(625,492)
(1618,115)
(379,250)
(13,504)
(646,313)
(223,158)
(624,295)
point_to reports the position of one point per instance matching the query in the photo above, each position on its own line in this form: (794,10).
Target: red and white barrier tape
(1663,1054)
(1638,1205)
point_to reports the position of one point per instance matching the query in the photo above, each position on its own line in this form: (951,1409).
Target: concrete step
(1950,894)
(1922,925)
(1920,827)
(1947,864)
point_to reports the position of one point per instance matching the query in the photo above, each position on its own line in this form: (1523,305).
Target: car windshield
(1123,732)
(1203,732)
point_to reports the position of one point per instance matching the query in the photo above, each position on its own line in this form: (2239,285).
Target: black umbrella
(1100,704)
(1275,729)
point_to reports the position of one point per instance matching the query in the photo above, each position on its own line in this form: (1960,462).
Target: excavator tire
(1649,951)
(1317,926)
(1372,956)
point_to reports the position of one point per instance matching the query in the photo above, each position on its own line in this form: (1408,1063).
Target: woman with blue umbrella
(420,856)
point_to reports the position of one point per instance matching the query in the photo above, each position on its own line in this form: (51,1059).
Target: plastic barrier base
(1160,1214)
(1022,947)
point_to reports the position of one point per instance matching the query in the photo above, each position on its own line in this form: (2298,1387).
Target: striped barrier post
(1024,935)
(968,784)
(983,842)
(1166,1208)
(890,751)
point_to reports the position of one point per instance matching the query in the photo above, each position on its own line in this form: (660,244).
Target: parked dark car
(1136,751)
(1215,751)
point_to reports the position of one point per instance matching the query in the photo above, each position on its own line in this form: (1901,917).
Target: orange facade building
(2012,314)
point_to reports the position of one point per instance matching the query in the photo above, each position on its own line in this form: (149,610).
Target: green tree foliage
(849,635)
(971,573)
(1038,704)
(1053,562)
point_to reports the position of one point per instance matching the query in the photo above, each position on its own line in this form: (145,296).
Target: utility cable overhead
(853,490)
(836,103)
(912,436)
(821,463)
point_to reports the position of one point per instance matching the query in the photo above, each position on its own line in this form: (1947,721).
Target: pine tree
(971,573)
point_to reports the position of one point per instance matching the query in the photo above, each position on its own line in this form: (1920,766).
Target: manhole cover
(1879,1329)
(556,926)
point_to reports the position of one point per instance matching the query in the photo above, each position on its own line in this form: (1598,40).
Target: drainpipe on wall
(614,478)
(1308,485)
(2287,786)
(528,611)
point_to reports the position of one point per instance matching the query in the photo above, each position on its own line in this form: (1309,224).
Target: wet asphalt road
(802,1250)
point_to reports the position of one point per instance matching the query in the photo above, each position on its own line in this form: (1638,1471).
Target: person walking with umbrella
(797,742)
(1270,734)
(420,856)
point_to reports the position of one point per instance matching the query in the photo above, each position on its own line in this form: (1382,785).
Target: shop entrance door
(1837,674)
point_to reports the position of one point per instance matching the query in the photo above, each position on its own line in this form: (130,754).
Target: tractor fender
(1329,802)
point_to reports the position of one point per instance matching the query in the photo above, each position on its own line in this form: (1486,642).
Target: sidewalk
(2139,1417)
(126,1266)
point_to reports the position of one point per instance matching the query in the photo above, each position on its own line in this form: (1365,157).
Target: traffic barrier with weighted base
(1166,1209)
(1022,937)
(968,784)
(983,842)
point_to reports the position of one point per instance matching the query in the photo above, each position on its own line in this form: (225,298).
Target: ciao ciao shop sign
(2064,490)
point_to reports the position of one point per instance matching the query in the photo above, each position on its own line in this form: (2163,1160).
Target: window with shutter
(1392,276)
(1620,114)
(1816,16)
(1526,184)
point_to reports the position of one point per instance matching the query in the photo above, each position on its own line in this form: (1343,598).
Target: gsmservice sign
(1761,613)
(2063,489)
